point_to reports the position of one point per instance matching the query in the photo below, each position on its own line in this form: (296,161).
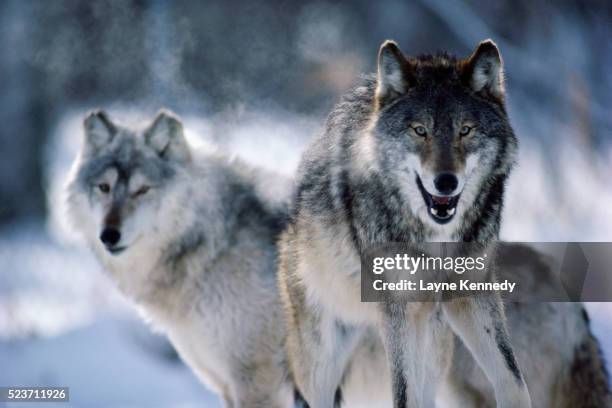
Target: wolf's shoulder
(349,115)
(354,108)
(324,161)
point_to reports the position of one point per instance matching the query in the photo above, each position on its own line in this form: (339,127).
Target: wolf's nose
(110,236)
(446,183)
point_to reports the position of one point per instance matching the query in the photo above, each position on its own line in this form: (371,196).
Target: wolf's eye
(141,191)
(420,130)
(465,130)
(104,188)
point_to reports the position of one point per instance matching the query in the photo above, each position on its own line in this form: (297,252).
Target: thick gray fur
(197,251)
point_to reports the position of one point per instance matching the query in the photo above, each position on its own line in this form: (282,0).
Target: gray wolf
(189,236)
(420,152)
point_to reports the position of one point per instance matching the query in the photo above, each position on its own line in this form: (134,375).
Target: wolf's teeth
(451,211)
(433,211)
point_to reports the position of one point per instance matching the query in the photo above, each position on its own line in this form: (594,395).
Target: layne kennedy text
(462,285)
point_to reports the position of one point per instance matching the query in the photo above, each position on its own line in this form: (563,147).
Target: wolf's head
(120,177)
(441,127)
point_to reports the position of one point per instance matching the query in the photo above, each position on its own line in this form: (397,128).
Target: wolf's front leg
(319,347)
(480,322)
(419,350)
(392,334)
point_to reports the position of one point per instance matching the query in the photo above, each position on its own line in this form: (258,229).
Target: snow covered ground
(62,323)
(105,364)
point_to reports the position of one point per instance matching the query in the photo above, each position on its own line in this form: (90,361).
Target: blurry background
(256,78)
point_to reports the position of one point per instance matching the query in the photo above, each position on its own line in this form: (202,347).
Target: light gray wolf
(420,152)
(190,237)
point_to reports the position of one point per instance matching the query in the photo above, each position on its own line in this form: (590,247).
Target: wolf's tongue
(440,200)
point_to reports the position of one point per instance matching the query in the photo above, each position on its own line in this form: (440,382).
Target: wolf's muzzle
(440,208)
(110,237)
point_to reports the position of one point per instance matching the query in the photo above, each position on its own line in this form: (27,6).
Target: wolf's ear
(166,137)
(394,73)
(99,130)
(484,71)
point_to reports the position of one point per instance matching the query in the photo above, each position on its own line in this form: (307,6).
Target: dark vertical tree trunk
(23,118)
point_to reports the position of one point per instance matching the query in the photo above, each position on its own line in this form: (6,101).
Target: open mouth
(115,250)
(440,208)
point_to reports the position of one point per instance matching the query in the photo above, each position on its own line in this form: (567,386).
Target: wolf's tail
(588,384)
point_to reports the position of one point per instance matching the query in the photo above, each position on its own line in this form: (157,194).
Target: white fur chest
(331,270)
(199,346)
(130,270)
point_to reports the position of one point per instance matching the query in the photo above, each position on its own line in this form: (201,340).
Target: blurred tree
(206,57)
